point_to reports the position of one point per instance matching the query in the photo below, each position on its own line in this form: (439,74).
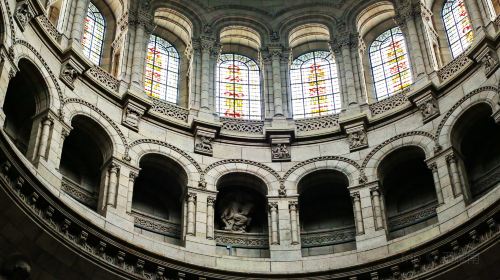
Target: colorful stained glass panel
(93,34)
(458,26)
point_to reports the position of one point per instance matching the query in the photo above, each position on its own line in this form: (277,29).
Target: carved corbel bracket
(355,129)
(24,14)
(427,104)
(280,141)
(134,108)
(489,58)
(70,71)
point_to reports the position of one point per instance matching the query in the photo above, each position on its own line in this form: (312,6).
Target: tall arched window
(458,26)
(161,78)
(93,34)
(390,64)
(315,86)
(238,87)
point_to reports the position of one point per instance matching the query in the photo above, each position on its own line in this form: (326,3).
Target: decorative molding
(324,158)
(49,28)
(455,66)
(242,126)
(318,123)
(169,110)
(328,237)
(389,103)
(157,225)
(103,77)
(243,161)
(242,240)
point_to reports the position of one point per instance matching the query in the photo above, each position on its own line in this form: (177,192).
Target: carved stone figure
(280,152)
(237,212)
(489,62)
(23,14)
(69,75)
(357,139)
(204,145)
(428,108)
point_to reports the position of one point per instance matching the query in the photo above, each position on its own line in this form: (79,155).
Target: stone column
(79,19)
(294,225)
(437,183)
(44,137)
(273,210)
(132,176)
(377,210)
(210,217)
(454,176)
(112,184)
(144,26)
(207,45)
(275,51)
(358,216)
(405,18)
(191,208)
(342,44)
(474,14)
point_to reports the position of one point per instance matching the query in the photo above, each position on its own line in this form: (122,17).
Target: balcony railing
(485,182)
(77,192)
(413,216)
(156,225)
(242,240)
(328,237)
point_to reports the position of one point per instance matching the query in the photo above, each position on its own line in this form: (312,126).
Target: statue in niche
(236,212)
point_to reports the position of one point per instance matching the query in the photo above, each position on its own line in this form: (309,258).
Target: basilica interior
(249,139)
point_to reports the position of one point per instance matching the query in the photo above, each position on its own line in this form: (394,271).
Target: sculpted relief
(236,212)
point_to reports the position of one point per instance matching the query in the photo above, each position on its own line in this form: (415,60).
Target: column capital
(114,167)
(211,200)
(293,205)
(355,196)
(273,206)
(451,158)
(191,196)
(344,39)
(132,175)
(273,50)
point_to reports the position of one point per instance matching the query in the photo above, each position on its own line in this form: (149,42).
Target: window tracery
(390,64)
(458,26)
(161,77)
(93,34)
(238,87)
(314,84)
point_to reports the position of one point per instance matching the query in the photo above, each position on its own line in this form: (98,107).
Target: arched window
(93,34)
(315,86)
(458,26)
(161,78)
(238,87)
(390,64)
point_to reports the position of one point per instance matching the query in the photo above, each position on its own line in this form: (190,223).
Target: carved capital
(355,196)
(23,14)
(273,206)
(211,201)
(191,197)
(114,167)
(293,205)
(132,175)
(451,158)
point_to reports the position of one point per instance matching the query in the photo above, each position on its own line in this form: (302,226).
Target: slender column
(207,44)
(343,45)
(131,181)
(275,51)
(455,178)
(210,217)
(44,138)
(377,210)
(474,14)
(437,183)
(294,227)
(414,46)
(191,205)
(137,62)
(78,19)
(358,216)
(112,184)
(273,209)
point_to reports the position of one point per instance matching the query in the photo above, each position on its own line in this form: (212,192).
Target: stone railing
(487,181)
(413,216)
(313,124)
(242,240)
(170,110)
(242,126)
(103,77)
(156,225)
(82,195)
(389,103)
(45,23)
(328,237)
(454,66)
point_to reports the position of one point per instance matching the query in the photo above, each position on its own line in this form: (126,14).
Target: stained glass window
(458,26)
(161,76)
(390,63)
(93,34)
(315,86)
(238,87)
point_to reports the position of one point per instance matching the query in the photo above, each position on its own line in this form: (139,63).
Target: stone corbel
(355,129)
(204,136)
(489,58)
(427,104)
(280,141)
(24,14)
(133,110)
(70,71)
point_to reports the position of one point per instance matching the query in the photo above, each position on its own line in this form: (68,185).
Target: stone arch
(23,50)
(7,20)
(487,94)
(73,107)
(189,9)
(419,139)
(345,166)
(215,171)
(227,21)
(142,147)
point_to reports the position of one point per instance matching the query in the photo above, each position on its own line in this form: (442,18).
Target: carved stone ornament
(68,75)
(280,152)
(489,59)
(132,114)
(428,106)
(203,140)
(237,209)
(357,138)
(23,14)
